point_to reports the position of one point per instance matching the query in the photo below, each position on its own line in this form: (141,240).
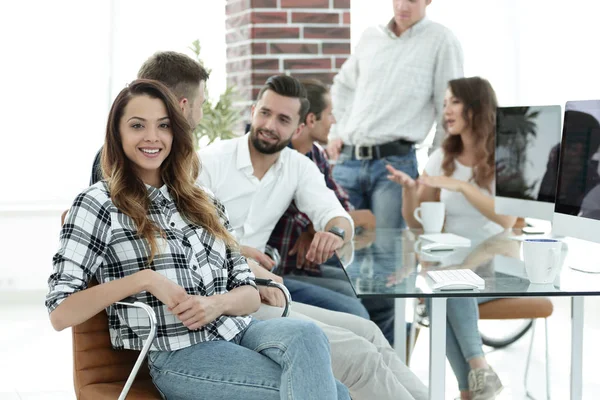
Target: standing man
(386,98)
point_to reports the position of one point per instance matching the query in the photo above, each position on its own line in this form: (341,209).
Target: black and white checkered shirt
(97,240)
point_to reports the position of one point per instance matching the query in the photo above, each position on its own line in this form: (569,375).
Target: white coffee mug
(431,216)
(543,259)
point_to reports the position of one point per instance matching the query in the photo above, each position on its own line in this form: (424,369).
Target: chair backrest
(94,359)
(516,308)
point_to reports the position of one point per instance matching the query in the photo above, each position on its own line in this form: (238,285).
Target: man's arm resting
(342,223)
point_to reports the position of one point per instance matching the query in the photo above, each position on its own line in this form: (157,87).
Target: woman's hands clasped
(193,311)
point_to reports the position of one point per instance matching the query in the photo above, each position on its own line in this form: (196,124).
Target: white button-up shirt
(392,87)
(254,206)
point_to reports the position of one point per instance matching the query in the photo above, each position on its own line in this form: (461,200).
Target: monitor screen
(527,147)
(578,190)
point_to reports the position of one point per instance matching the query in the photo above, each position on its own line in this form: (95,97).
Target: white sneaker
(484,384)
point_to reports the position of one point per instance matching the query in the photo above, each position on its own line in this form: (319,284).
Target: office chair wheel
(501,333)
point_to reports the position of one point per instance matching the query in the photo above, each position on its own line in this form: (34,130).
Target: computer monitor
(527,146)
(577,210)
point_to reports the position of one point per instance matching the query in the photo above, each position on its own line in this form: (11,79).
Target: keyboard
(456,279)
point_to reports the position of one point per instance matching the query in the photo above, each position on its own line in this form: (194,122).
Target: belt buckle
(358,156)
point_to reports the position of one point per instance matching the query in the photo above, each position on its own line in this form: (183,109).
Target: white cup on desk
(431,215)
(543,259)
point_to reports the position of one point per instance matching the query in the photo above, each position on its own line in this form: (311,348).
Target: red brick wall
(304,38)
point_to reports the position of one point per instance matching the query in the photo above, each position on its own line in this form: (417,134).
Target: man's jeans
(282,358)
(368,187)
(311,294)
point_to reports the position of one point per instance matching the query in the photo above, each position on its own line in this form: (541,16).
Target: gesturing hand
(442,182)
(197,311)
(261,258)
(323,246)
(400,177)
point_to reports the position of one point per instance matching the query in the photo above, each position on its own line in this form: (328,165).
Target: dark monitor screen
(527,146)
(578,190)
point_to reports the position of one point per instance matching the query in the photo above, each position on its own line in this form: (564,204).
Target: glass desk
(389,263)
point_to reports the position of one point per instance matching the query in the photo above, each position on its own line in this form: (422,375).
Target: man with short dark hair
(185,77)
(294,231)
(256,177)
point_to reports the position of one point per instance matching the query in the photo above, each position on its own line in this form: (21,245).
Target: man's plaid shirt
(293,222)
(99,241)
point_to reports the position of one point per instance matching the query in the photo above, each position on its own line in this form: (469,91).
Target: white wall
(63,62)
(54,98)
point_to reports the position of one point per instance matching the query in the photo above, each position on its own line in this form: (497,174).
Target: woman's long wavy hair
(479,112)
(178,171)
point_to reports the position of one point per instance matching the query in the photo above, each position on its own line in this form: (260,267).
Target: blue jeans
(308,293)
(281,358)
(463,341)
(368,186)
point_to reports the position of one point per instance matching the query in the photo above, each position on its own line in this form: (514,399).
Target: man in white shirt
(386,98)
(257,177)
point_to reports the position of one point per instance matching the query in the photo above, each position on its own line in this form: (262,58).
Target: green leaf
(220,119)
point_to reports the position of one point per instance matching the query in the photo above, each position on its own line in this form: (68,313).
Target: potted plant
(221,118)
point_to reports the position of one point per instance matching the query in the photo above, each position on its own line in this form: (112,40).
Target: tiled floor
(36,360)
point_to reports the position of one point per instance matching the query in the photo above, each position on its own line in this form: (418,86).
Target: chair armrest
(273,253)
(131,302)
(286,293)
